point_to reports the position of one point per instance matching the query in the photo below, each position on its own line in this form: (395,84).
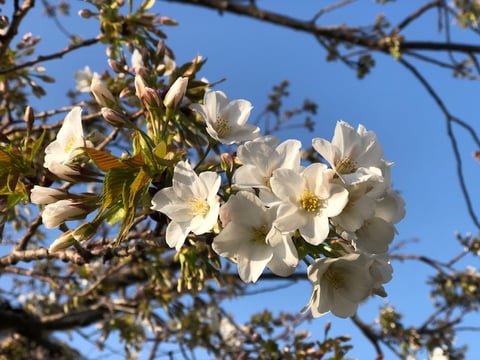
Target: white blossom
(355,155)
(261,157)
(249,238)
(69,139)
(339,284)
(226,120)
(191,203)
(307,201)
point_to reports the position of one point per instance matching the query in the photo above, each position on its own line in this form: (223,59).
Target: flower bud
(58,212)
(85,13)
(226,162)
(116,66)
(63,242)
(43,195)
(140,86)
(150,98)
(102,95)
(165,20)
(116,118)
(84,232)
(176,93)
(138,65)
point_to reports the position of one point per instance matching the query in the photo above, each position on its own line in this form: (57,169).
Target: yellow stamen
(222,127)
(334,278)
(310,202)
(346,166)
(69,145)
(200,207)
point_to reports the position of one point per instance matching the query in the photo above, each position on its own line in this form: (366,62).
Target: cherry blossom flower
(261,157)
(64,149)
(249,238)
(360,207)
(339,284)
(355,155)
(83,78)
(191,203)
(226,120)
(307,201)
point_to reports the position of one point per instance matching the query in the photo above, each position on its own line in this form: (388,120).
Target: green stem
(211,144)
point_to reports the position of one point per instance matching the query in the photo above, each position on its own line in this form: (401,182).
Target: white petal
(238,111)
(176,234)
(252,261)
(284,260)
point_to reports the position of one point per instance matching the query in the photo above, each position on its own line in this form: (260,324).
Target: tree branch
(56,55)
(337,33)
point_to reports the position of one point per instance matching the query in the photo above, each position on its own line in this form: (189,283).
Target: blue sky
(253,56)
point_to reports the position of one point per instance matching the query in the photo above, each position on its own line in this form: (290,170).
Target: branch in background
(449,120)
(57,55)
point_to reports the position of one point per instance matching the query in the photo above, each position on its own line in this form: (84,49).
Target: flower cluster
(345,208)
(337,215)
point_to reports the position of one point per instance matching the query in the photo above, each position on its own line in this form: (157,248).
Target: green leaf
(132,196)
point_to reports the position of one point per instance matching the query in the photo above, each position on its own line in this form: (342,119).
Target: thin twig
(56,55)
(449,120)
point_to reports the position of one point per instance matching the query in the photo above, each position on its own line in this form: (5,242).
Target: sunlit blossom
(226,120)
(191,203)
(250,239)
(69,139)
(339,284)
(307,201)
(355,155)
(261,157)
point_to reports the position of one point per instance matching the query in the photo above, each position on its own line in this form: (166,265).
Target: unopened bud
(102,95)
(126,92)
(29,118)
(63,242)
(226,162)
(116,118)
(116,66)
(85,13)
(140,86)
(176,93)
(165,20)
(84,232)
(150,98)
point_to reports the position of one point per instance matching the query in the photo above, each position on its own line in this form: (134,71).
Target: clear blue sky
(253,56)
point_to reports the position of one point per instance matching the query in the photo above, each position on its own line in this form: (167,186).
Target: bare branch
(56,55)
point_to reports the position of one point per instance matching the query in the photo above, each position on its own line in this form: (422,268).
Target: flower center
(222,127)
(200,207)
(310,202)
(69,144)
(259,234)
(345,166)
(334,278)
